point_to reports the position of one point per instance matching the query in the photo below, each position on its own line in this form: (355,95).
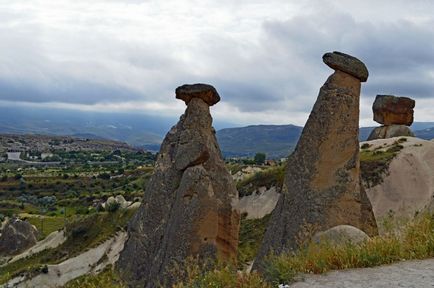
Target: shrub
(366,145)
(112,207)
(219,276)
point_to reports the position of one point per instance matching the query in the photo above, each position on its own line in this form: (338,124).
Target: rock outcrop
(389,110)
(260,203)
(189,204)
(390,131)
(341,235)
(322,186)
(395,114)
(17,236)
(407,187)
(119,201)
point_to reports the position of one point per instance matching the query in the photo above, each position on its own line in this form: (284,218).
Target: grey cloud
(279,70)
(74,92)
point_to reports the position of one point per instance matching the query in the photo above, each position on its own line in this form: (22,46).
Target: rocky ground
(405,274)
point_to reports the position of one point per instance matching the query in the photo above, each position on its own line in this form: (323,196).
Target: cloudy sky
(263,56)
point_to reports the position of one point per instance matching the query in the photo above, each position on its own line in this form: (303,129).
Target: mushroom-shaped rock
(203,91)
(389,110)
(189,207)
(322,184)
(346,63)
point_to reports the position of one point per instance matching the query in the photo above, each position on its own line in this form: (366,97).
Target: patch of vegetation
(46,224)
(272,176)
(221,276)
(107,279)
(415,242)
(366,146)
(375,163)
(84,233)
(259,158)
(251,233)
(233,168)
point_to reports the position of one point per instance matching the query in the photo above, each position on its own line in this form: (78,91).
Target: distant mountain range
(147,131)
(274,140)
(135,129)
(140,130)
(279,140)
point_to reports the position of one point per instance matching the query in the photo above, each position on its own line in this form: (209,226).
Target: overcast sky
(263,56)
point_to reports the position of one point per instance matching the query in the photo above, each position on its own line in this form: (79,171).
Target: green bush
(112,207)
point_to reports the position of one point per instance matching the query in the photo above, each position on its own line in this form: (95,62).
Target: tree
(260,158)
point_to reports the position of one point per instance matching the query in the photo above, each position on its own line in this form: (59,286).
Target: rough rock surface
(340,235)
(203,91)
(408,186)
(346,63)
(260,203)
(390,131)
(322,183)
(53,240)
(389,110)
(189,204)
(17,236)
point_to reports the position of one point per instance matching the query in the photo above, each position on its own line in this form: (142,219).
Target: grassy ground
(415,242)
(46,224)
(107,279)
(251,234)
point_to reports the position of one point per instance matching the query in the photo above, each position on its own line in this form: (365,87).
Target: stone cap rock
(346,63)
(203,91)
(390,109)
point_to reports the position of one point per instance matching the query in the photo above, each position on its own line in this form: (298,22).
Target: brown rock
(203,91)
(322,187)
(389,110)
(390,131)
(17,236)
(346,63)
(188,204)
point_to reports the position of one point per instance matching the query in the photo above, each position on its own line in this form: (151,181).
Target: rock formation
(341,235)
(17,236)
(322,186)
(406,188)
(188,206)
(395,113)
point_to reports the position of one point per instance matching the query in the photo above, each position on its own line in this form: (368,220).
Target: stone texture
(322,187)
(389,110)
(17,236)
(346,63)
(341,235)
(188,206)
(385,132)
(203,91)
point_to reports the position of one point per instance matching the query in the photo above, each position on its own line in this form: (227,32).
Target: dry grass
(415,242)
